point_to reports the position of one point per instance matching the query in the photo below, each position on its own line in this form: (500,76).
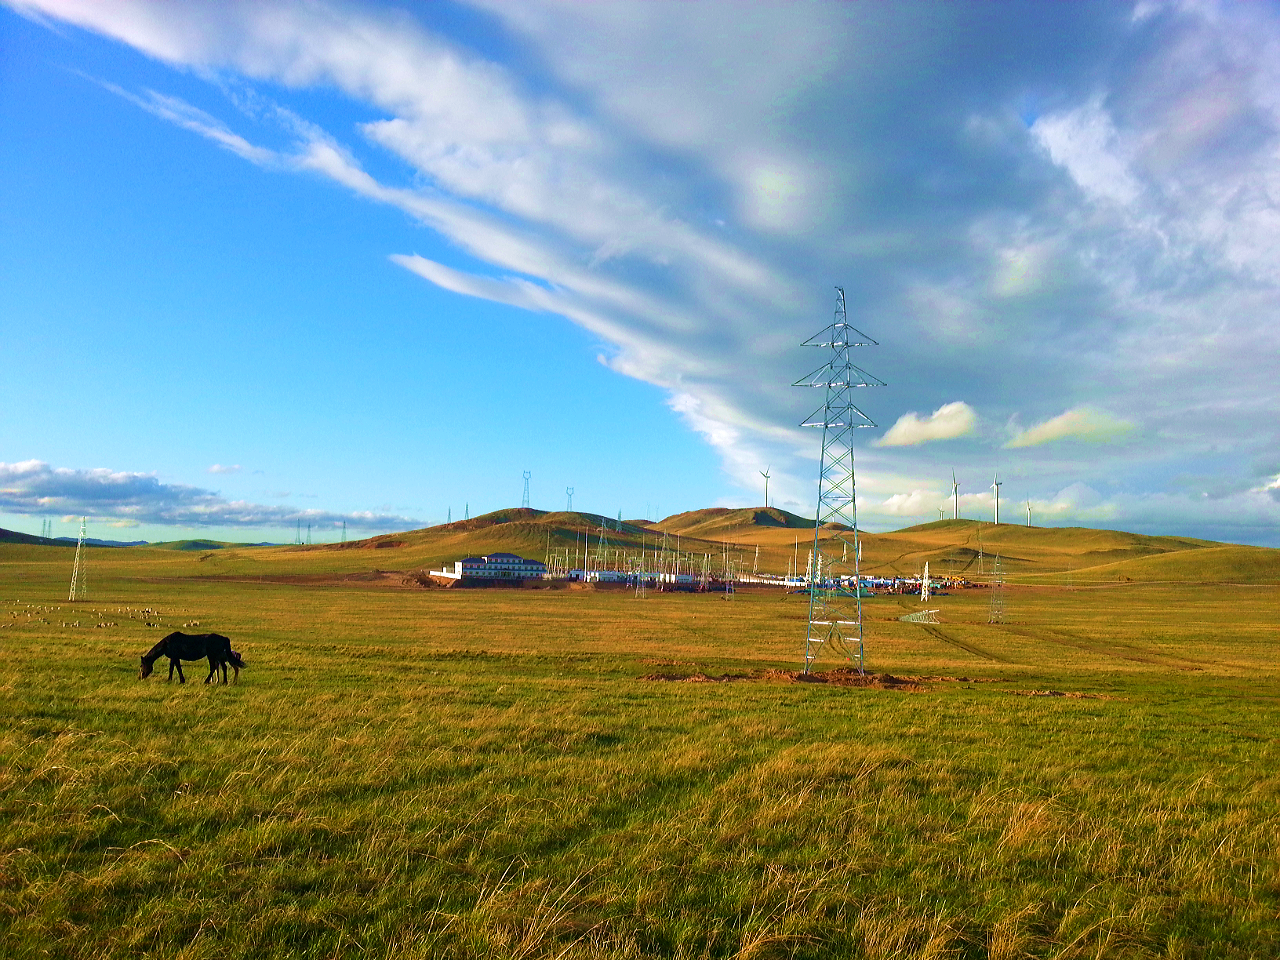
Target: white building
(495,566)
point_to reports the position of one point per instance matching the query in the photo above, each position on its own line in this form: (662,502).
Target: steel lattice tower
(79,579)
(835,607)
(996,614)
(525,501)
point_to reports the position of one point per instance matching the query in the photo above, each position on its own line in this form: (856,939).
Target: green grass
(428,773)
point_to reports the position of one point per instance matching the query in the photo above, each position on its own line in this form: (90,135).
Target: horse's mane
(156,652)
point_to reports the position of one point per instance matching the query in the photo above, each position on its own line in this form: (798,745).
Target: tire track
(972,648)
(1117,651)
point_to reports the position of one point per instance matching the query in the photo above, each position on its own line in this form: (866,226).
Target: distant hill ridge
(13,536)
(773,541)
(719,519)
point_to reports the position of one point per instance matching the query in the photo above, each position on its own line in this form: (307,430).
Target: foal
(182,646)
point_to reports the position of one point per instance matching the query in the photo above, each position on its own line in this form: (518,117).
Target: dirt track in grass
(839,677)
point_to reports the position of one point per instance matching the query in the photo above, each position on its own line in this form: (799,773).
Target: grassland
(446,773)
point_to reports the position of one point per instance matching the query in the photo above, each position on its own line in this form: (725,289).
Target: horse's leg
(237,670)
(178,664)
(224,672)
(213,668)
(172,663)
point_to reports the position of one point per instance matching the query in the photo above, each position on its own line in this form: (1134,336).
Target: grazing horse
(183,646)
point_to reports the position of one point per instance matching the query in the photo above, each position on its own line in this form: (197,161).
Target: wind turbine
(955,492)
(996,484)
(765,473)
(1028,511)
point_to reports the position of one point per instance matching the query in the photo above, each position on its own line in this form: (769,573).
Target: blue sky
(269,262)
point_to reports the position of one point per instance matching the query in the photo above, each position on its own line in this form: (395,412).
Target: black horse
(183,646)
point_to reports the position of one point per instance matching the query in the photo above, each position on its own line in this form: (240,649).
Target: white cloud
(949,421)
(220,468)
(1084,141)
(917,503)
(686,181)
(1272,489)
(777,194)
(183,114)
(1079,423)
(33,487)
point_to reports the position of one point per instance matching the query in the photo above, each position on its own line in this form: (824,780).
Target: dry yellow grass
(420,773)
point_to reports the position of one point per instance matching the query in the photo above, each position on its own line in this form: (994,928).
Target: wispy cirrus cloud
(34,487)
(1100,208)
(225,468)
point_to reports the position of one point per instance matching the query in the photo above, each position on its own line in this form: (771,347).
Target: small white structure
(494,566)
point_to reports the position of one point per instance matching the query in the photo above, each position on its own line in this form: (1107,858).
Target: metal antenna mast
(835,610)
(79,579)
(525,501)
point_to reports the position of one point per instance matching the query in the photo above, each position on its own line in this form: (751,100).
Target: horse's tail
(236,661)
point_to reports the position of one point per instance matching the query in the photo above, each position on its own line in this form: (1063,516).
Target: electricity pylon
(79,578)
(996,613)
(835,606)
(525,501)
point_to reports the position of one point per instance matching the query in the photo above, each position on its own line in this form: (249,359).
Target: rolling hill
(769,540)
